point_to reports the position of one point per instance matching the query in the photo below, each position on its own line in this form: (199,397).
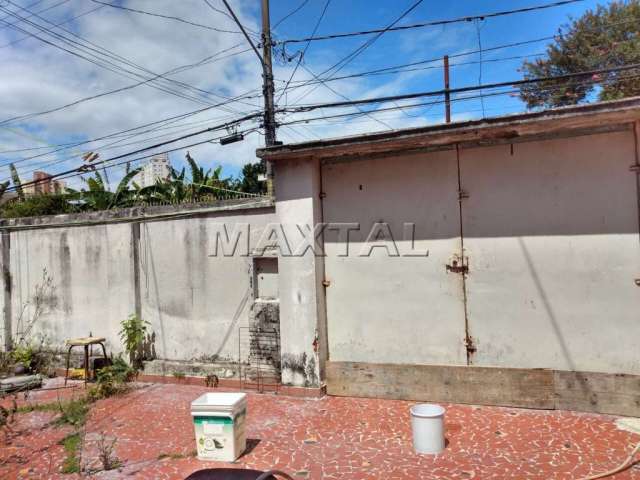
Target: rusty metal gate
(532,253)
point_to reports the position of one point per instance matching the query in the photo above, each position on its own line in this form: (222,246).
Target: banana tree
(99,197)
(202,183)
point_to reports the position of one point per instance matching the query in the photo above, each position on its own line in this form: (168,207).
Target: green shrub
(23,354)
(38,205)
(73,412)
(132,333)
(112,380)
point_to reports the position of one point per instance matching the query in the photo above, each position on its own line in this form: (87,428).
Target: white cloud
(36,77)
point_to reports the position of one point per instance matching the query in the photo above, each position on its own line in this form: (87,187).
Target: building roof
(554,123)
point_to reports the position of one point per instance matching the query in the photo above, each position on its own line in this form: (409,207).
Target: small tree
(606,37)
(133,334)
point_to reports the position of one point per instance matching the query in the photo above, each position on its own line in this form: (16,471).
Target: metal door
(551,233)
(385,308)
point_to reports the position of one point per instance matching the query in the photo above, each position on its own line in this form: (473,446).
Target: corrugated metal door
(551,233)
(394,309)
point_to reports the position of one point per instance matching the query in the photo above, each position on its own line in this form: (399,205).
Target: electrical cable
(167,17)
(118,70)
(306,47)
(335,68)
(95,9)
(109,54)
(291,13)
(306,108)
(152,147)
(434,23)
(117,90)
(55,5)
(623,466)
(122,132)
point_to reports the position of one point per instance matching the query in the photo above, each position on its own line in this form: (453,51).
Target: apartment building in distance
(157,168)
(43,183)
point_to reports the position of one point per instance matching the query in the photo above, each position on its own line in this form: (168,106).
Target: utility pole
(268,91)
(447,99)
(267,82)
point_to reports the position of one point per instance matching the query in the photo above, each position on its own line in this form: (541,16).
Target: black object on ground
(236,474)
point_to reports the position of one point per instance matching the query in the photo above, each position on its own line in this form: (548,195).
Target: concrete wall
(302,309)
(194,301)
(551,236)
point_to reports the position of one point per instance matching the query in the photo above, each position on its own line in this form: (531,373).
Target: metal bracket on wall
(462,195)
(457,266)
(634,168)
(637,282)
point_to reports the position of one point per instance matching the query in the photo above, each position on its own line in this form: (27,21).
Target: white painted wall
(92,277)
(194,302)
(302,314)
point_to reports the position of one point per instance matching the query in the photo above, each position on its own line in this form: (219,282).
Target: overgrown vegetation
(201,185)
(72,444)
(108,460)
(606,37)
(112,380)
(29,350)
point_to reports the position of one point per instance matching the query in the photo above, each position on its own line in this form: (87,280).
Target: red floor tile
(329,438)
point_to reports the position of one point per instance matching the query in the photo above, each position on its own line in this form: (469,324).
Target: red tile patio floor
(328,438)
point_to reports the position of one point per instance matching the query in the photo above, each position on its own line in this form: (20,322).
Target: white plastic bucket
(219,423)
(427,423)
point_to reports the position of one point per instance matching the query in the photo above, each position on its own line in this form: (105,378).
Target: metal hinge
(470,345)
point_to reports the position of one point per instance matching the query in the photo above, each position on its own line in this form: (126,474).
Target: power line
(119,69)
(440,102)
(114,145)
(350,57)
(397,68)
(291,13)
(166,17)
(122,132)
(91,58)
(114,91)
(83,168)
(103,51)
(306,108)
(306,47)
(55,5)
(384,70)
(95,9)
(434,23)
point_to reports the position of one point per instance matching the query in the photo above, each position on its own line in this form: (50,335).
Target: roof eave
(557,122)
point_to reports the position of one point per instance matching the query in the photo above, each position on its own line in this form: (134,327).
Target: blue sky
(37,76)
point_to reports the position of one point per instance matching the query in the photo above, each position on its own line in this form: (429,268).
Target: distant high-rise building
(157,168)
(43,183)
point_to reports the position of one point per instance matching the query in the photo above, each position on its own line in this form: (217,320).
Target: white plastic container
(427,423)
(219,423)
